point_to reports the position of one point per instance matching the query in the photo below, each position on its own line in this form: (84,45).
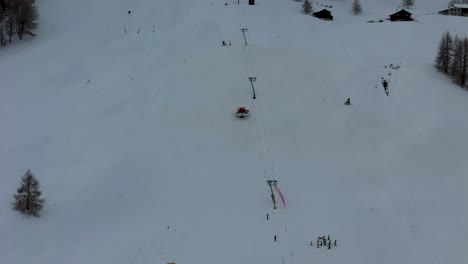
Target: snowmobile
(242,112)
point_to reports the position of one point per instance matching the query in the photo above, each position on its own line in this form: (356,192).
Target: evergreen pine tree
(27,197)
(307,6)
(357,9)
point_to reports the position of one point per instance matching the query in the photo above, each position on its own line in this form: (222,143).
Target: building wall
(400,17)
(454,11)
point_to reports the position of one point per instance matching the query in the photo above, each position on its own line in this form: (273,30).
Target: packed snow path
(276,224)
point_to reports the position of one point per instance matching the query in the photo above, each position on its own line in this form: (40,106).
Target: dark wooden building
(251,2)
(324,14)
(401,15)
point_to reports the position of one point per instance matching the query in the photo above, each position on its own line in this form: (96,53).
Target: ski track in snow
(130,133)
(278,226)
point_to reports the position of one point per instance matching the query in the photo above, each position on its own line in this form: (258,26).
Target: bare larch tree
(307,6)
(445,52)
(407,3)
(25,16)
(357,9)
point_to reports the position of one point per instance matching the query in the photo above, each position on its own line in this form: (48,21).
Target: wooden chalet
(324,14)
(401,15)
(456,10)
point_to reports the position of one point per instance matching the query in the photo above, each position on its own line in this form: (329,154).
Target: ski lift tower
(252,80)
(272,183)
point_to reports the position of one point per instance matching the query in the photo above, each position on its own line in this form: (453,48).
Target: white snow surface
(141,159)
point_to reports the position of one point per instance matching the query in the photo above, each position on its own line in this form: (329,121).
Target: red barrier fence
(280,194)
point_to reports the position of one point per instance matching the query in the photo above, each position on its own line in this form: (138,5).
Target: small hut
(401,15)
(324,14)
(251,2)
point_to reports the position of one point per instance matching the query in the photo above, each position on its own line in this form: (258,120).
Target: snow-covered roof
(460,5)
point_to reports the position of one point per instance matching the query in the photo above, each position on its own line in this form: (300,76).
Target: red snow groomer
(242,112)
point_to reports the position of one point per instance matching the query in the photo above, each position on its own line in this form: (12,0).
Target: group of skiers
(323,241)
(385,85)
(223,43)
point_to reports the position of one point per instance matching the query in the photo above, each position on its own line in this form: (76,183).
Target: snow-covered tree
(445,52)
(27,198)
(407,3)
(307,6)
(357,9)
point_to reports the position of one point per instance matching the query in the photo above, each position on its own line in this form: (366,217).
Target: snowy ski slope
(127,120)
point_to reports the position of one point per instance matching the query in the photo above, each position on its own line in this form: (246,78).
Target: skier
(385,84)
(223,43)
(274,238)
(348,102)
(335,243)
(268,217)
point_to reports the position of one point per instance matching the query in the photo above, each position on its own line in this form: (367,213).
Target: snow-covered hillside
(127,121)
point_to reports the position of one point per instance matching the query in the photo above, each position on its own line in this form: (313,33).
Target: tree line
(17,17)
(452,58)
